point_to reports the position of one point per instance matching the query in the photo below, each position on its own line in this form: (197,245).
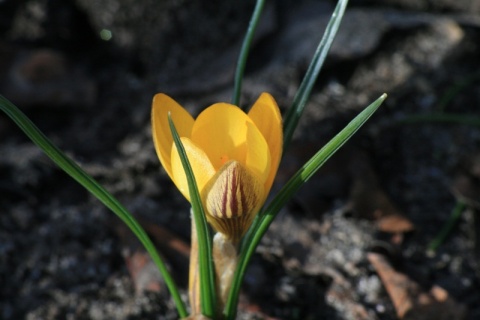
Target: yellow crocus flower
(234,156)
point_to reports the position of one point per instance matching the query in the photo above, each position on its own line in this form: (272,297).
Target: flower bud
(231,199)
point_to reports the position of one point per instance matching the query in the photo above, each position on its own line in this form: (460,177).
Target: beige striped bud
(232,198)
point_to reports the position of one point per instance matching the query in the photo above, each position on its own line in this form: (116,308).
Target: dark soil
(85,72)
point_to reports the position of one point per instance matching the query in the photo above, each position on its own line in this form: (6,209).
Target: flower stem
(194,274)
(225,257)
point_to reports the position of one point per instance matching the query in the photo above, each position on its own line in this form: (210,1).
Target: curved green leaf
(303,94)
(242,59)
(286,193)
(78,174)
(207,269)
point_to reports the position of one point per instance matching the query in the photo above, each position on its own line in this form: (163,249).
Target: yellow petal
(267,117)
(232,198)
(221,131)
(201,166)
(258,153)
(162,137)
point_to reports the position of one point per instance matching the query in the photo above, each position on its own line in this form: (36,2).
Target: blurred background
(358,242)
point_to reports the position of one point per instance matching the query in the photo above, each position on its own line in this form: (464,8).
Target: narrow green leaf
(285,194)
(78,174)
(448,226)
(454,90)
(303,94)
(207,270)
(312,166)
(242,59)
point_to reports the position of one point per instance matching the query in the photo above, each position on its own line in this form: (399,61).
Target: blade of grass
(78,174)
(242,59)
(303,94)
(207,270)
(447,227)
(454,90)
(285,194)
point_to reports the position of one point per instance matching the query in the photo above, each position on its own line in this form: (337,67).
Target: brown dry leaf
(394,223)
(368,199)
(409,300)
(166,240)
(143,271)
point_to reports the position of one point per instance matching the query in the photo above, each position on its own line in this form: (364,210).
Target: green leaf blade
(242,59)
(285,194)
(79,175)
(207,269)
(303,94)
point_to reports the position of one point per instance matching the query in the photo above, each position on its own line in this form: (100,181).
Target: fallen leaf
(143,271)
(409,300)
